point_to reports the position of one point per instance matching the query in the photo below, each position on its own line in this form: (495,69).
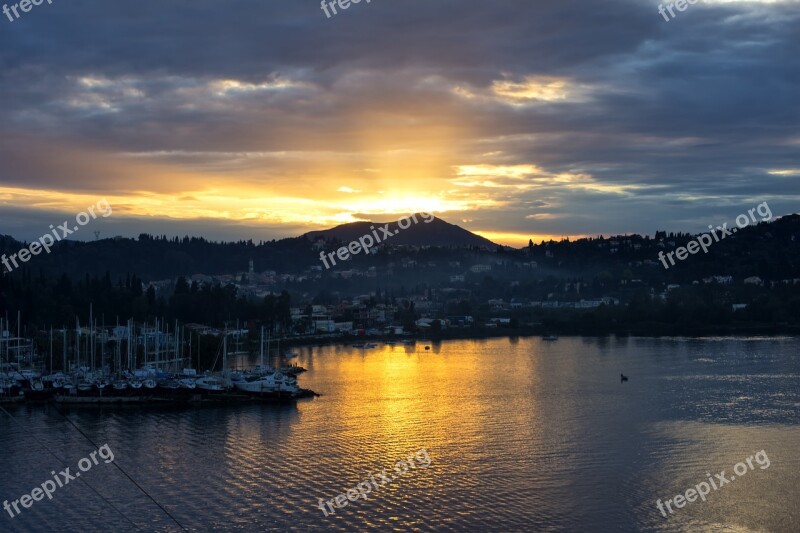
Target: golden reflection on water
(523,434)
(402,395)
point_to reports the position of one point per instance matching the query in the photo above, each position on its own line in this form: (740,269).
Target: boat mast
(262,348)
(144,334)
(19,318)
(158,343)
(78,340)
(90,350)
(177,343)
(225,350)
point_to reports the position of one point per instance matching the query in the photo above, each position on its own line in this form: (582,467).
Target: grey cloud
(700,107)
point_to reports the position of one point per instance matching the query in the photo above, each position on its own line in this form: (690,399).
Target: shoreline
(473,334)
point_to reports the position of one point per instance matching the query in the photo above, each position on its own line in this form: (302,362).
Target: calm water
(522,434)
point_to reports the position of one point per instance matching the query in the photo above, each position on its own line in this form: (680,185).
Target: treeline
(46,302)
(686,311)
(158,258)
(770,250)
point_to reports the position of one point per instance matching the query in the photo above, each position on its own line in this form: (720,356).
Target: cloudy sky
(515,119)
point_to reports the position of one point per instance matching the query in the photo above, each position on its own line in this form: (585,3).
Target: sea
(504,434)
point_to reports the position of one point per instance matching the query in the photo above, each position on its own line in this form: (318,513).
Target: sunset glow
(534,139)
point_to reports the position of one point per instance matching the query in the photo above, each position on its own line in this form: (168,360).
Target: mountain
(427,231)
(161,257)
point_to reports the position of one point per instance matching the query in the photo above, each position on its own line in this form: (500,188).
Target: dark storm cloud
(685,117)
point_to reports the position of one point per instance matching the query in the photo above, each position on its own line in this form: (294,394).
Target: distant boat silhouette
(623,377)
(427,347)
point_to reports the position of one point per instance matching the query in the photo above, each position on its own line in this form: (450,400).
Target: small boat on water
(187,383)
(54,381)
(169,385)
(267,384)
(292,370)
(549,338)
(235,376)
(38,391)
(274,385)
(211,384)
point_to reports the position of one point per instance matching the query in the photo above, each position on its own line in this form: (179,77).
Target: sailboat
(213,383)
(272,385)
(37,391)
(188,380)
(9,389)
(266,383)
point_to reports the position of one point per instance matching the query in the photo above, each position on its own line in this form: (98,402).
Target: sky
(263,119)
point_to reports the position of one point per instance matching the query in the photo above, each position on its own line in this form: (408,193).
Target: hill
(425,232)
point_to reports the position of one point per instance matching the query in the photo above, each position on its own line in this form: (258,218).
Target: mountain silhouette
(437,232)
